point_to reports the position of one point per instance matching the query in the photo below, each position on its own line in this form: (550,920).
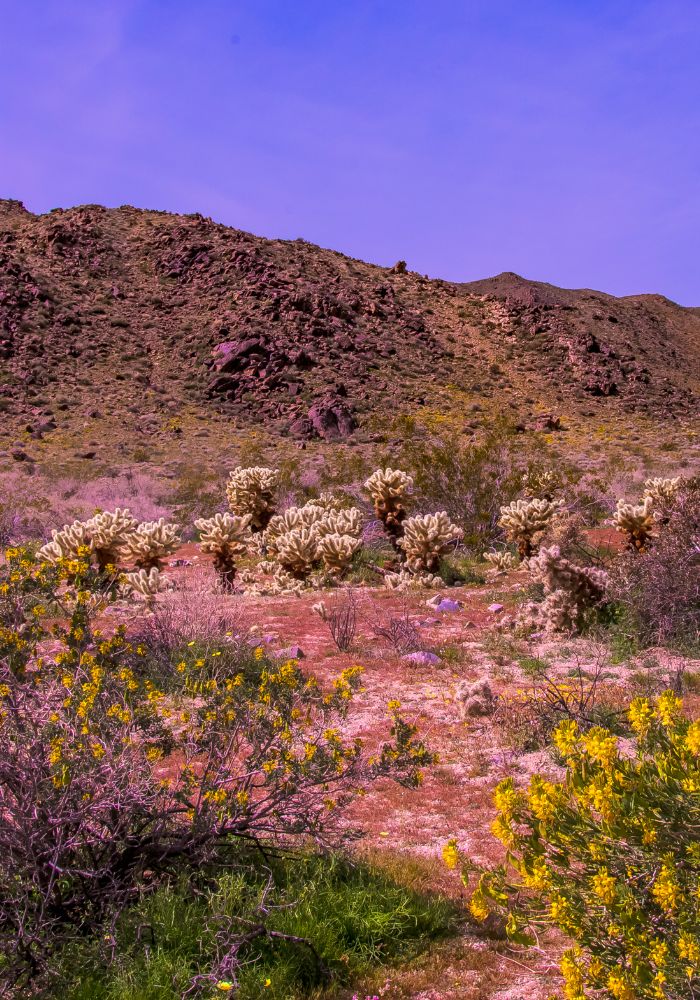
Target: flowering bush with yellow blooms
(112,781)
(610,856)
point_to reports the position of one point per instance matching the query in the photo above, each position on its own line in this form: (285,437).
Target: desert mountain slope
(125,310)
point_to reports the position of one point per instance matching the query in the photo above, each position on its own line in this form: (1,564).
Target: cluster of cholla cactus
(637,520)
(569,590)
(111,536)
(226,537)
(525,521)
(150,543)
(250,492)
(405,580)
(426,538)
(307,545)
(388,489)
(72,541)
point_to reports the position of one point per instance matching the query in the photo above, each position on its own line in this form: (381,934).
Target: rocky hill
(125,314)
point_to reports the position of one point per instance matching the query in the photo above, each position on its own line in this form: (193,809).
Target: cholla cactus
(661,491)
(525,520)
(427,537)
(71,542)
(636,521)
(293,519)
(475,698)
(109,532)
(151,542)
(302,537)
(404,580)
(340,522)
(542,483)
(225,536)
(337,551)
(297,552)
(569,590)
(250,491)
(501,562)
(328,501)
(146,583)
(388,489)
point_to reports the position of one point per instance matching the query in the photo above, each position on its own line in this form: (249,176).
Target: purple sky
(557,139)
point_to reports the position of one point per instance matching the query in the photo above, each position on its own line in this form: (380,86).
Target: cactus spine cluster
(251,492)
(662,490)
(388,489)
(109,532)
(501,561)
(146,583)
(569,590)
(151,543)
(524,522)
(636,522)
(427,537)
(225,536)
(475,698)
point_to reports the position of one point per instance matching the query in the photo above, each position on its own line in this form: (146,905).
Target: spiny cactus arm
(68,543)
(426,538)
(525,519)
(387,484)
(297,551)
(151,542)
(224,531)
(636,521)
(337,551)
(251,491)
(662,490)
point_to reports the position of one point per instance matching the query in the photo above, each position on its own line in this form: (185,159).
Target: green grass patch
(357,918)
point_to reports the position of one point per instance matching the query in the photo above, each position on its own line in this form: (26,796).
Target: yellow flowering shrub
(610,856)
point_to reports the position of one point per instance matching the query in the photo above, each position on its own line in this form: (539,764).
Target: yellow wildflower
(666,890)
(619,987)
(667,707)
(692,738)
(603,886)
(640,715)
(450,854)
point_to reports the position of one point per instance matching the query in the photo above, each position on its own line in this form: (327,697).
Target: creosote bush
(610,856)
(656,592)
(111,786)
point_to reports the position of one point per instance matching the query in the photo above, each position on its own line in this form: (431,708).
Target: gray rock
(290,653)
(422,658)
(447,604)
